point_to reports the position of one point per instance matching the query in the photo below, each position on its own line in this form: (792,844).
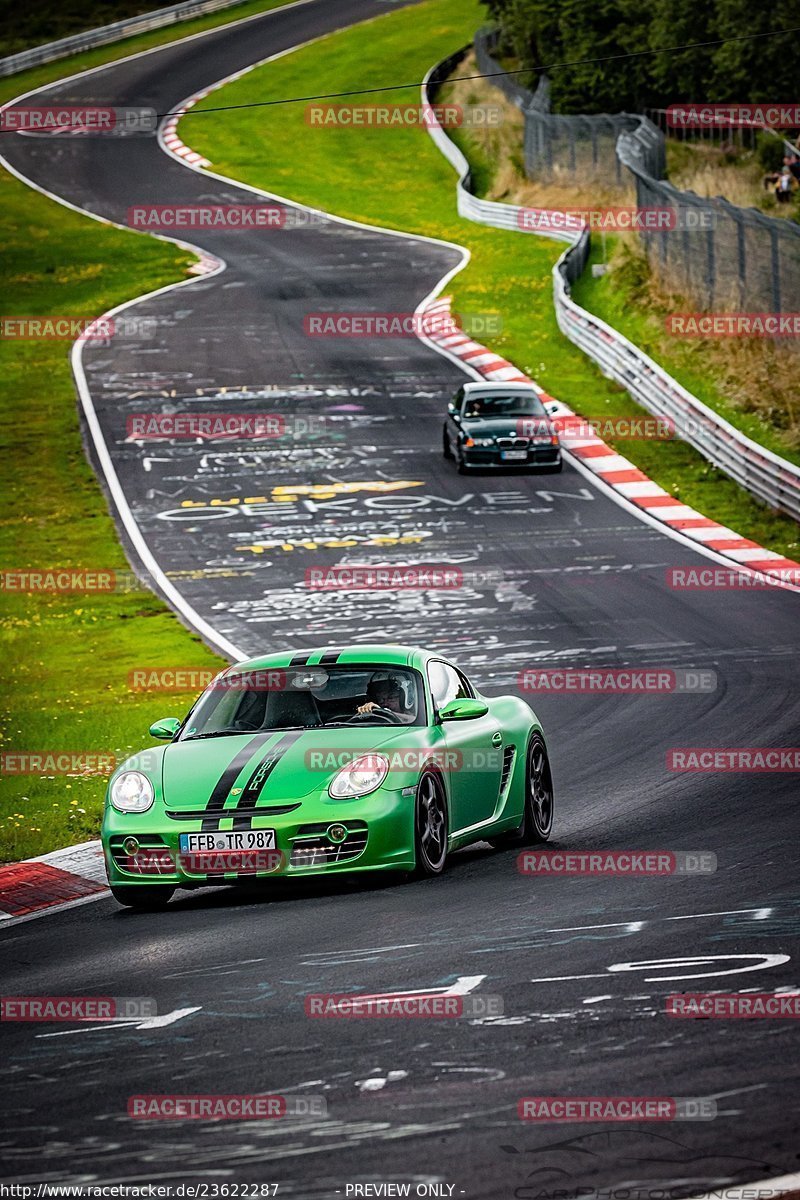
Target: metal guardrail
(766,475)
(114,32)
(482,212)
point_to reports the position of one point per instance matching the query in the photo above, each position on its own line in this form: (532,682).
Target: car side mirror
(165,729)
(553,408)
(464,709)
(451,408)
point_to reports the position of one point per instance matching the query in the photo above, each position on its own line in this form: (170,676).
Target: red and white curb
(605,462)
(51,883)
(206,264)
(169,135)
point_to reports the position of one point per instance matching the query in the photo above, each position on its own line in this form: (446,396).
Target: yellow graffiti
(316,491)
(335,543)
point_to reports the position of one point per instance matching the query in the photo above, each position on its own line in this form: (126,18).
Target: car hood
(506,426)
(272,767)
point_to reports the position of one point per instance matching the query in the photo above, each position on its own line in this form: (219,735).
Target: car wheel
(538,792)
(537,819)
(446,451)
(430,825)
(150,897)
(461,466)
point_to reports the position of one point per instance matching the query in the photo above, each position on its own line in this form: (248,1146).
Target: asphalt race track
(571,579)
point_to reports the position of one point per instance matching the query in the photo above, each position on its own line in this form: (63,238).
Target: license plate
(514,455)
(244,839)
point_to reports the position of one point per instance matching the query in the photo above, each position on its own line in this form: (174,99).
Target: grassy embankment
(66,658)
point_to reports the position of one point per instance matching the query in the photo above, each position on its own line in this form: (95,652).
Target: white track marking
(462,987)
(758,914)
(661,964)
(150,1023)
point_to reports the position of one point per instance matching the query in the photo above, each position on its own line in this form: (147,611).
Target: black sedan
(500,425)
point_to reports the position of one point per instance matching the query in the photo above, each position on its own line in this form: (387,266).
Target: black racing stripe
(329,657)
(300,660)
(216,802)
(252,789)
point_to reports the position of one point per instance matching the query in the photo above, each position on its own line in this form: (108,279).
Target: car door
(473,748)
(453,422)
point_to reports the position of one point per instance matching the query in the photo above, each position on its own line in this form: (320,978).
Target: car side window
(457,399)
(446,684)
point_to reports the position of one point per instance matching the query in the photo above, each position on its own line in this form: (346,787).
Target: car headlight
(359,777)
(484,441)
(132,792)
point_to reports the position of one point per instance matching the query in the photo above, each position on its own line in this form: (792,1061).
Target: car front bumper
(380,836)
(542,457)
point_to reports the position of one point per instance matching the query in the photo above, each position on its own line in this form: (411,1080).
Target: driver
(384,691)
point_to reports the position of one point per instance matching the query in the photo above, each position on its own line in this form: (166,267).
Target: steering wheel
(383,716)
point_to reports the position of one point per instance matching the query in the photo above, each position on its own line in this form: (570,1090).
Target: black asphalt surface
(581,582)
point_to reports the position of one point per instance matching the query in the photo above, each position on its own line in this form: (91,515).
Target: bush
(770,151)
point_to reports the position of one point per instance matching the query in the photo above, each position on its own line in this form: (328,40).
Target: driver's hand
(368,707)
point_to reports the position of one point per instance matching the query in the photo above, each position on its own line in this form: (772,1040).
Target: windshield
(515,404)
(307,698)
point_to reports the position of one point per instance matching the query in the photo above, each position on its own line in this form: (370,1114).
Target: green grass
(397,178)
(65,658)
(620,299)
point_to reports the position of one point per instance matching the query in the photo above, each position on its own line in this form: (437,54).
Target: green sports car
(369,758)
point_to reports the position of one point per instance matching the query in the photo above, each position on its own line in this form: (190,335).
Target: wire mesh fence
(717,254)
